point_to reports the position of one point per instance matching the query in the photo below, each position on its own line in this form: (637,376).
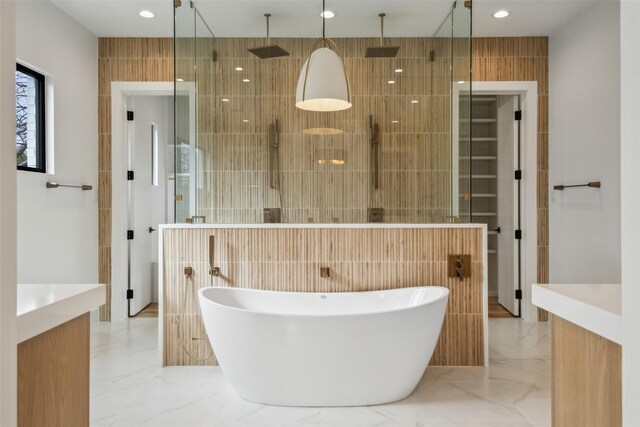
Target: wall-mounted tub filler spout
(213,270)
(325,272)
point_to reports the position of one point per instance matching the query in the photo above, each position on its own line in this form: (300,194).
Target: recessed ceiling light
(398,70)
(394,121)
(327,14)
(179,80)
(391,82)
(239,68)
(245,121)
(414,101)
(246,80)
(146,14)
(501,14)
(225,99)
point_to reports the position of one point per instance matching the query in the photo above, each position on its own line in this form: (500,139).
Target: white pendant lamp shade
(323,85)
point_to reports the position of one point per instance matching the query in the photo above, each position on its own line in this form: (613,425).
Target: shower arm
(268,15)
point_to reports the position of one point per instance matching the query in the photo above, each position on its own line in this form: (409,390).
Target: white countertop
(597,308)
(318,225)
(43,307)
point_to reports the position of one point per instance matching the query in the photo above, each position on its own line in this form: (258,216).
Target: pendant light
(323,83)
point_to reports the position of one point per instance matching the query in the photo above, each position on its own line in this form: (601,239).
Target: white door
(507,195)
(148,134)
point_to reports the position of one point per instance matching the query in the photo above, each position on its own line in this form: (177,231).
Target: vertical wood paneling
(53,376)
(524,59)
(290,260)
(586,377)
(123,60)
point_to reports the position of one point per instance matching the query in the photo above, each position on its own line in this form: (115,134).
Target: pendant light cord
(323,19)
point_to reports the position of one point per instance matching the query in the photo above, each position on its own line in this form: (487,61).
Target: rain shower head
(382,51)
(271,50)
(266,52)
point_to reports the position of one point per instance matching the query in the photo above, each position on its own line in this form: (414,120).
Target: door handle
(151,229)
(497,230)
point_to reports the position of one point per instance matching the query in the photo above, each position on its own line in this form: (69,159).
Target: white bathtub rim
(444,295)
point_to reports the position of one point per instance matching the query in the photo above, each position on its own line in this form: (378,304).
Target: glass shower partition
(243,153)
(461,117)
(193,70)
(452,97)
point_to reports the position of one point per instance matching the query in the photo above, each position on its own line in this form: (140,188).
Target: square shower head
(382,52)
(266,52)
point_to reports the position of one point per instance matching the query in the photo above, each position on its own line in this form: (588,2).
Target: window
(30,120)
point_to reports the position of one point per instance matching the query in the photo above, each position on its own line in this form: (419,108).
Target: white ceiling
(300,18)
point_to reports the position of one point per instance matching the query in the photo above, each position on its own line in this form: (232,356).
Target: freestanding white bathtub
(314,349)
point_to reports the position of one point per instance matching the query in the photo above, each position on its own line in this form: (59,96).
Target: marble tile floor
(128,388)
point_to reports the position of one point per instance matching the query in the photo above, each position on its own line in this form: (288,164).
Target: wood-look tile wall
(122,60)
(414,152)
(290,260)
(524,59)
(130,59)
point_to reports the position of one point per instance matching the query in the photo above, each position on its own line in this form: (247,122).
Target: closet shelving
(483,156)
(484,164)
(478,166)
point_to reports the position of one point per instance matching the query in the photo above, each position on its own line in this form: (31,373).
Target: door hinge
(130,175)
(468,4)
(177,3)
(518,293)
(129,293)
(129,234)
(518,115)
(518,234)
(130,116)
(518,175)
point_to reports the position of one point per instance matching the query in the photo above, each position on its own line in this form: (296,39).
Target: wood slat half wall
(360,259)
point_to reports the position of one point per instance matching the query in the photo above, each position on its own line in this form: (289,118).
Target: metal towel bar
(84,187)
(593,184)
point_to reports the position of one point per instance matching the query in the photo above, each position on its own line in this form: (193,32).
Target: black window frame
(41,137)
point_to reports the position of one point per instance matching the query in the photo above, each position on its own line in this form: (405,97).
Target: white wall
(630,154)
(8,363)
(57,228)
(584,135)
